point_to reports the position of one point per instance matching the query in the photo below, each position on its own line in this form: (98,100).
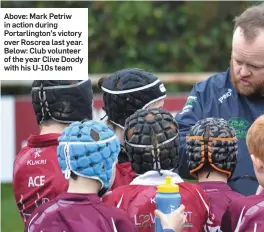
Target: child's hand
(174,221)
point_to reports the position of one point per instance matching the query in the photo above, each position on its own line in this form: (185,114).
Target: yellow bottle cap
(168,186)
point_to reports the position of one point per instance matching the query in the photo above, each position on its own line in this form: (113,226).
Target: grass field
(10,217)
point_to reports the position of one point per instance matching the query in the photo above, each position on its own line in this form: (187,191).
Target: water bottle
(167,200)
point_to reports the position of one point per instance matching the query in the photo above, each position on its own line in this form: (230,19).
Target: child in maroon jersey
(37,175)
(247,214)
(124,92)
(211,146)
(152,142)
(87,153)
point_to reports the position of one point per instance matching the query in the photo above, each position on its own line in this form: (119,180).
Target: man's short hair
(250,21)
(255,138)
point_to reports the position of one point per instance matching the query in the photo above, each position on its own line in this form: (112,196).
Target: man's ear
(258,164)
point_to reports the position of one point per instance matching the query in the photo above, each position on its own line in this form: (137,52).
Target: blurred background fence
(181,42)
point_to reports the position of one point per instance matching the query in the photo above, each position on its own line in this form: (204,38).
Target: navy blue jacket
(217,97)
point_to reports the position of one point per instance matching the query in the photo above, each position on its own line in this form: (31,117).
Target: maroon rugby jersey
(72,212)
(123,175)
(220,196)
(37,175)
(245,215)
(138,200)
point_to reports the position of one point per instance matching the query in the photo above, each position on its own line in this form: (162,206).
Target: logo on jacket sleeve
(191,100)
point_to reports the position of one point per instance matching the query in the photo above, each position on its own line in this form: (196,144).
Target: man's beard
(252,90)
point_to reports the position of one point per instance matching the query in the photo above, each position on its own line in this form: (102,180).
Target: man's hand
(174,221)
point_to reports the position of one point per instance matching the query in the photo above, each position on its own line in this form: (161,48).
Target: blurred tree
(159,36)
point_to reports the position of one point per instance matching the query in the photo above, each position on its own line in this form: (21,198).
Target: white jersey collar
(154,178)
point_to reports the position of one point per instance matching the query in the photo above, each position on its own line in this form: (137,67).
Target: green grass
(10,217)
(191,181)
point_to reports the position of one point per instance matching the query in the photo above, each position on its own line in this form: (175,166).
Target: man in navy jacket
(236,95)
